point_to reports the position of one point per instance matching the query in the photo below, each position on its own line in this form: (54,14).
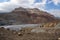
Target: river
(18,27)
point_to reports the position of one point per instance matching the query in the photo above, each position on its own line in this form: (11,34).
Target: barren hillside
(25,16)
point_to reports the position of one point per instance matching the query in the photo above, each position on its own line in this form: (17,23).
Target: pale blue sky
(4,0)
(50,5)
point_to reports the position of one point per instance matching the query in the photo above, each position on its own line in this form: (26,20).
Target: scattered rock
(20,34)
(58,38)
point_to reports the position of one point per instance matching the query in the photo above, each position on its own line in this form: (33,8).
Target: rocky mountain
(25,16)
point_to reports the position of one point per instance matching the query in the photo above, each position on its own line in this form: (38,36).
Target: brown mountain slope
(26,16)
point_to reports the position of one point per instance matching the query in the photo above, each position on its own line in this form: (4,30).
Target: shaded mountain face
(26,16)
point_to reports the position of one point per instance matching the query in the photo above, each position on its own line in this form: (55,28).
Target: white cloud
(56,2)
(21,3)
(40,5)
(55,12)
(7,6)
(25,3)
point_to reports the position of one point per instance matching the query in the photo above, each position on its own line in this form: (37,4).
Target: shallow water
(18,27)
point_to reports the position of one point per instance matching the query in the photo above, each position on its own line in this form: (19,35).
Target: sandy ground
(30,33)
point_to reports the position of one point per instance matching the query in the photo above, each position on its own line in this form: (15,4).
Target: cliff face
(26,16)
